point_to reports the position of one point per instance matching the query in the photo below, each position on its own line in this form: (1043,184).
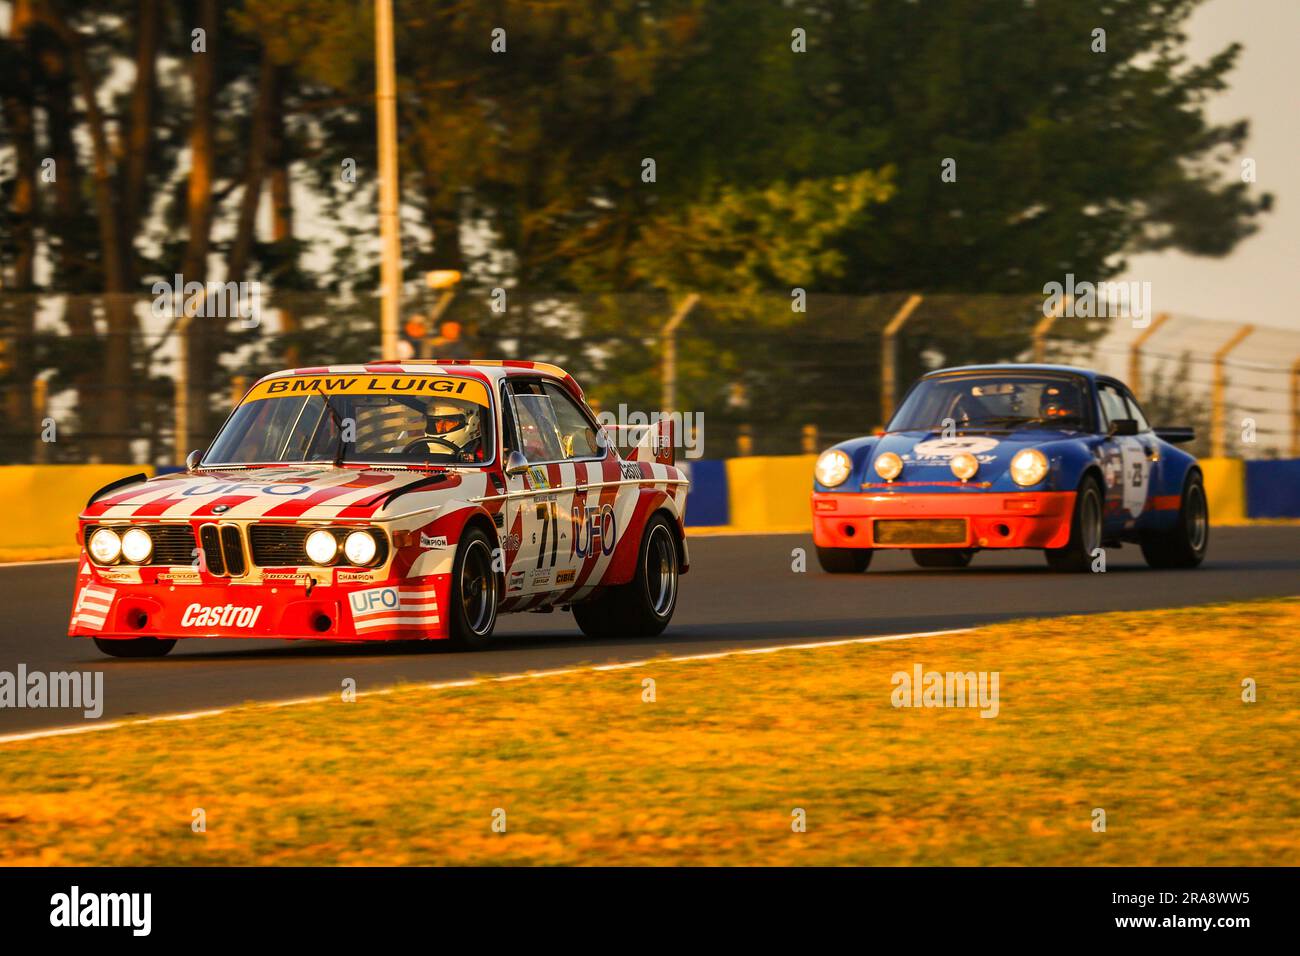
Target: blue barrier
(1273,489)
(706,503)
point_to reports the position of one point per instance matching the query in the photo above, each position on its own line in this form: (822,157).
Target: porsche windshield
(375,419)
(975,402)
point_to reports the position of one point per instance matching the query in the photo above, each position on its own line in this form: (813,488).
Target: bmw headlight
(1029,467)
(322,546)
(105,546)
(889,466)
(964,465)
(833,468)
(360,548)
(137,546)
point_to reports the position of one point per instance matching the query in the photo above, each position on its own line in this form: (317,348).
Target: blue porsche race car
(1012,456)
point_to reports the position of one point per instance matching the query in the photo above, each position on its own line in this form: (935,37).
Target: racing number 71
(546,514)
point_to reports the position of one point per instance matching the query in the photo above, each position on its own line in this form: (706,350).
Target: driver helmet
(452,420)
(1056,403)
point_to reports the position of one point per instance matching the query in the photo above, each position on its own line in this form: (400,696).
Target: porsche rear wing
(653,442)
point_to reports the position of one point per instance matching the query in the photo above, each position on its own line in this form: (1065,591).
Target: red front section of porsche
(970,519)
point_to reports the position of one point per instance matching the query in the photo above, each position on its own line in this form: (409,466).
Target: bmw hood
(304,492)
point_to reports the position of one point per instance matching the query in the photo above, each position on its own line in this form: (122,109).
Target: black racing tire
(136,646)
(1086,527)
(643,606)
(474,593)
(843,560)
(1185,545)
(942,557)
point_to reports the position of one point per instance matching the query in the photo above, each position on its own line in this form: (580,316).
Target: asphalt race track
(741,592)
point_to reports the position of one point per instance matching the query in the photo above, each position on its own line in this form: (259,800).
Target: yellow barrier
(1225,489)
(44,501)
(772,493)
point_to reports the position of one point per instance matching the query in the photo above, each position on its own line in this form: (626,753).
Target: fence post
(888,357)
(1135,354)
(669,396)
(40,399)
(1218,414)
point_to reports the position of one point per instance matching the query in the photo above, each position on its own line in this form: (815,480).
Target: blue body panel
(1133,471)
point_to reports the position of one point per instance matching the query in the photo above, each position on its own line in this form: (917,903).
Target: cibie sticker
(976,445)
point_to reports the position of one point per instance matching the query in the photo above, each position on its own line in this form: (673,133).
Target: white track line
(26,564)
(475,682)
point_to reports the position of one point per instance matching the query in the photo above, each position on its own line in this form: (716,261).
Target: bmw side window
(539,434)
(577,437)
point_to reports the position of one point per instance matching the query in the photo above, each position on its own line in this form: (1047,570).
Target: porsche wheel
(1185,545)
(135,646)
(1085,532)
(942,557)
(843,560)
(644,606)
(474,592)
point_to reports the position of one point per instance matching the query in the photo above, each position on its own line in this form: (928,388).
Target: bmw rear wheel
(644,606)
(1085,532)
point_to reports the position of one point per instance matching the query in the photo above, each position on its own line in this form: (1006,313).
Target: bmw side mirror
(1124,426)
(516,463)
(192,460)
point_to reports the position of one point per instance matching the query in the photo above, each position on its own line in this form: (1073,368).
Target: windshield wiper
(338,423)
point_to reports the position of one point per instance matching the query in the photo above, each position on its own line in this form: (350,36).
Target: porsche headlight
(137,546)
(322,546)
(1029,467)
(360,548)
(105,546)
(964,466)
(833,468)
(889,466)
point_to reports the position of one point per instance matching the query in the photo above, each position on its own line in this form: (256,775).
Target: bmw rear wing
(652,442)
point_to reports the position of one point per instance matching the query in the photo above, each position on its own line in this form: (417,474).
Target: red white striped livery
(390,501)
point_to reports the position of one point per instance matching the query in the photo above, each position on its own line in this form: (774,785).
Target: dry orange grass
(1138,714)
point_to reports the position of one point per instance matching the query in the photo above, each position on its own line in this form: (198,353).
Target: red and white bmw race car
(409,501)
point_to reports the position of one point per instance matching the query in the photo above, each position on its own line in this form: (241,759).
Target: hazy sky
(1255,282)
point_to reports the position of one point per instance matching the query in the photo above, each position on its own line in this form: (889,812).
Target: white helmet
(452,420)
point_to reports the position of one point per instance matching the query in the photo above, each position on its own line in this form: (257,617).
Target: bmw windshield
(365,418)
(993,401)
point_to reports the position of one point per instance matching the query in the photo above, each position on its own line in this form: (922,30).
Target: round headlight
(360,547)
(889,466)
(964,466)
(105,546)
(137,546)
(833,467)
(322,546)
(1029,467)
